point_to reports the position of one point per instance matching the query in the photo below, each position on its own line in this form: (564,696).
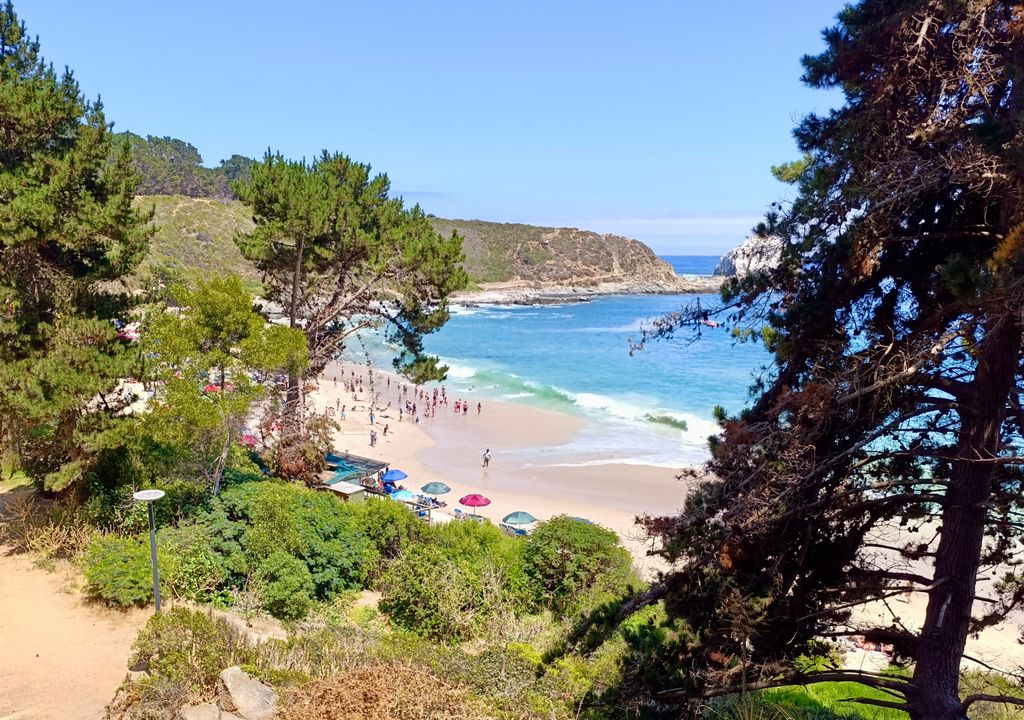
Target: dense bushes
(294,548)
(455,580)
(119,570)
(576,565)
(285,586)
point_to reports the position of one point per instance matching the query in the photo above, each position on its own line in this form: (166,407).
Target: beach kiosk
(348,492)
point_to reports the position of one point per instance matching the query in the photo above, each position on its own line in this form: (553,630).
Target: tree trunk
(222,461)
(293,397)
(937,674)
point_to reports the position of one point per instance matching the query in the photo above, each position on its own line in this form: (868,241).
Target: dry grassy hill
(197,233)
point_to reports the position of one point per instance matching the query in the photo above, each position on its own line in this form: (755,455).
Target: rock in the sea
(246,696)
(205,711)
(755,254)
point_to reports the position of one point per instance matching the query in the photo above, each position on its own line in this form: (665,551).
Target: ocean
(692,264)
(653,407)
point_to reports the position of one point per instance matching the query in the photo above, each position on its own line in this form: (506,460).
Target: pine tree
(339,256)
(883,454)
(67,228)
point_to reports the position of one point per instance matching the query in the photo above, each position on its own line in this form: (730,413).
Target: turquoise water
(575,358)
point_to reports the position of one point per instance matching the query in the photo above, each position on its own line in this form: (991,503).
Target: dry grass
(383,692)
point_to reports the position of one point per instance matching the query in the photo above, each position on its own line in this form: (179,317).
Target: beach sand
(449,448)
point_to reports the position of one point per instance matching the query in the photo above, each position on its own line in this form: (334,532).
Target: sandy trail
(61,658)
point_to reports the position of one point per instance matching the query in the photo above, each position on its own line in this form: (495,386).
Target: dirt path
(60,657)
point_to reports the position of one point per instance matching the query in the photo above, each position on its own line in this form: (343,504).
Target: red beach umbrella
(474,501)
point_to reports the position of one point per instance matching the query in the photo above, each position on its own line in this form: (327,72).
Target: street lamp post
(149,497)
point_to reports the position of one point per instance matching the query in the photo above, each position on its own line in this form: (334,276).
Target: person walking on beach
(487,457)
(478,408)
(373,438)
(385,429)
(372,417)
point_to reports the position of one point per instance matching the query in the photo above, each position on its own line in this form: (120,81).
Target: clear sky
(654,119)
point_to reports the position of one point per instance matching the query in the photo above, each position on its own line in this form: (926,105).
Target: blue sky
(656,120)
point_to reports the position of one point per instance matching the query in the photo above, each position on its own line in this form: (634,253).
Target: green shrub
(119,570)
(189,647)
(189,567)
(433,595)
(389,527)
(577,565)
(285,586)
(313,527)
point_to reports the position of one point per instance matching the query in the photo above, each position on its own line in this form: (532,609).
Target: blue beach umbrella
(393,476)
(403,496)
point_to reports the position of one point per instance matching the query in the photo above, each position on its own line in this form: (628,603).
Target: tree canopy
(339,256)
(168,166)
(212,359)
(882,455)
(66,225)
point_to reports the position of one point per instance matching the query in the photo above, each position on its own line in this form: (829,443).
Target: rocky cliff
(756,253)
(510,255)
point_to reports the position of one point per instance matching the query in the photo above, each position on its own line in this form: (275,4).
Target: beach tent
(403,496)
(435,488)
(393,475)
(519,517)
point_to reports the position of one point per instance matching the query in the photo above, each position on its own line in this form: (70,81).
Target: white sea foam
(460,372)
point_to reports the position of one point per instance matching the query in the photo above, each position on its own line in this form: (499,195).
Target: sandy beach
(449,448)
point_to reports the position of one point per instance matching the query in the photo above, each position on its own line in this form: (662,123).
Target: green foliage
(119,570)
(831,700)
(435,596)
(68,226)
(189,567)
(168,166)
(389,526)
(350,256)
(216,339)
(189,647)
(285,586)
(451,587)
(577,564)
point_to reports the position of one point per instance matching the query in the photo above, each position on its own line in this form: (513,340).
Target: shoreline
(449,448)
(525,292)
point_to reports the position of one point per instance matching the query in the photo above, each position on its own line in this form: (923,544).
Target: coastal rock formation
(529,256)
(755,254)
(246,696)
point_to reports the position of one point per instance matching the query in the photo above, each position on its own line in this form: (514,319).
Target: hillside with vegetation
(197,234)
(508,252)
(197,215)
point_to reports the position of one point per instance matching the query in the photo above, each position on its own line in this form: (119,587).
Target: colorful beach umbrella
(403,496)
(519,517)
(393,475)
(435,488)
(474,500)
